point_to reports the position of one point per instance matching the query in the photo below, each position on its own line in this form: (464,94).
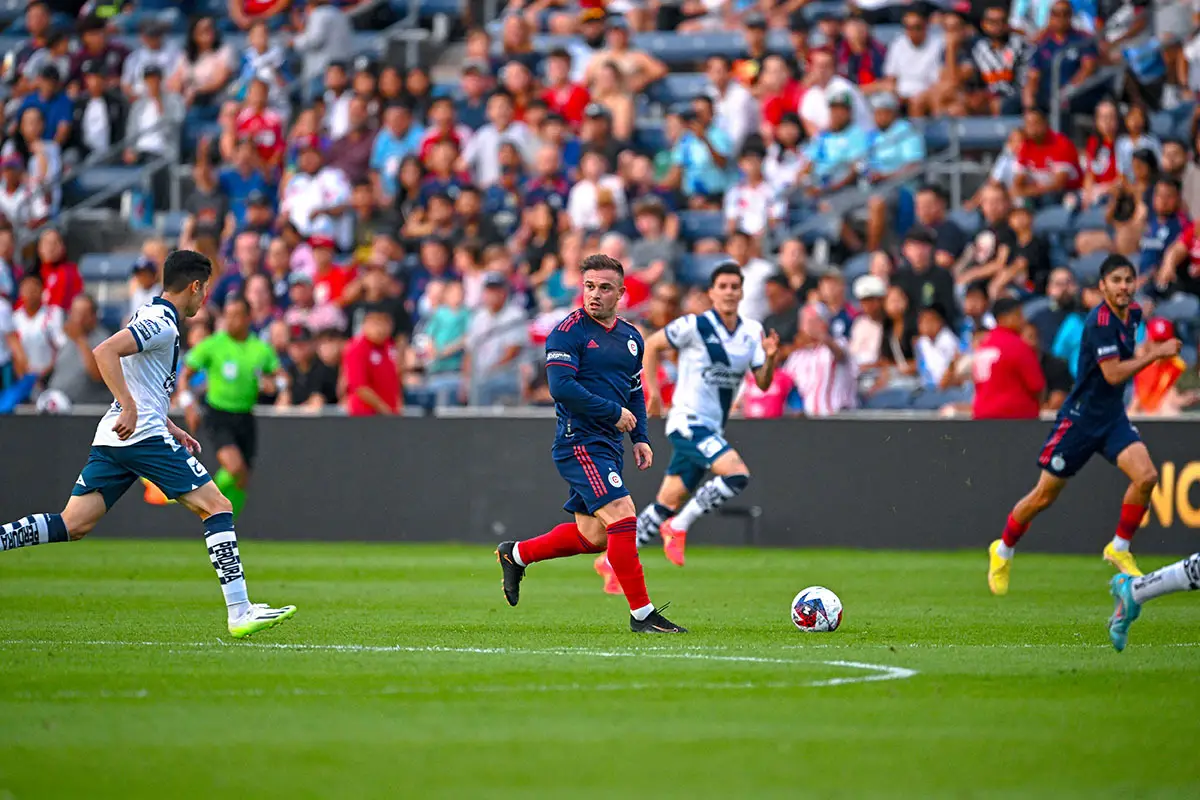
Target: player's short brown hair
(599,261)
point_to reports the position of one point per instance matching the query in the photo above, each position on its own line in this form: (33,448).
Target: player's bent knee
(737,483)
(1147,480)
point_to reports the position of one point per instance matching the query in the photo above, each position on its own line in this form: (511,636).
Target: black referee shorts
(223,428)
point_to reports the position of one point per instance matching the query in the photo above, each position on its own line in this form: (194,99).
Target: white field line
(874,672)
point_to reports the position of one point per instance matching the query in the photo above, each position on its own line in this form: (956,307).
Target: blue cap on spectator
(144,264)
(494,280)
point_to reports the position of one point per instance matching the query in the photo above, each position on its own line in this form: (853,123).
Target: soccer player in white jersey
(715,349)
(136,439)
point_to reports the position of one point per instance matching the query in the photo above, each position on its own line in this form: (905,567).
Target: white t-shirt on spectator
(916,69)
(781,167)
(7,326)
(337,113)
(754,208)
(825,385)
(581,202)
(490,334)
(305,194)
(482,151)
(934,356)
(814,108)
(166,59)
(96,127)
(736,113)
(41,336)
(20,207)
(754,289)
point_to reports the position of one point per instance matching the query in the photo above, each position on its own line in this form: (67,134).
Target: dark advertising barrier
(842,483)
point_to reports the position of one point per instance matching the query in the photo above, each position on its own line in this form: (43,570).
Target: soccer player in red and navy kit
(594,366)
(1093,420)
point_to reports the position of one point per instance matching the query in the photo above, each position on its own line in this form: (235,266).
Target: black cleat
(513,572)
(655,623)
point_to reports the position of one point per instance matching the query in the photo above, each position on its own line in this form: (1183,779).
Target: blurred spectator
(931,212)
(1175,157)
(351,154)
(442,127)
(1164,224)
(639,68)
(1070,332)
(752,204)
(75,372)
(779,94)
(583,201)
(922,280)
(937,351)
(247,261)
(860,57)
(1029,261)
(98,115)
(770,403)
(895,150)
(443,345)
(1154,388)
(154,123)
(1047,163)
(1062,292)
(1135,137)
(39,326)
(327,37)
(266,60)
(262,125)
(1076,53)
(997,65)
(481,155)
(59,276)
(52,104)
(1009,383)
(785,156)
(914,62)
(153,51)
(1100,162)
(737,111)
(260,300)
(754,30)
(57,53)
(993,244)
(502,205)
(824,83)
(206,67)
(245,13)
(12,357)
(304,311)
(471,107)
(96,44)
(866,332)
(19,207)
(562,96)
(329,279)
(143,285)
(820,368)
(609,93)
(375,289)
(38,24)
(311,383)
(1058,375)
(783,311)
(371,367)
(1121,24)
(8,247)
(494,340)
(835,154)
(399,138)
(653,245)
(831,293)
(242,178)
(744,250)
(317,191)
(208,208)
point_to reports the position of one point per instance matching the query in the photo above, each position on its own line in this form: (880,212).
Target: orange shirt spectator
(1008,378)
(371,369)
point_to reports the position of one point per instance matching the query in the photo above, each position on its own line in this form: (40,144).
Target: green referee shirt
(233,370)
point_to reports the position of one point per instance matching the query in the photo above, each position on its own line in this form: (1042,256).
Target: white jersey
(712,362)
(149,373)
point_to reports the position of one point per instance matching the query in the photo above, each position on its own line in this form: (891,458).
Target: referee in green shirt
(237,365)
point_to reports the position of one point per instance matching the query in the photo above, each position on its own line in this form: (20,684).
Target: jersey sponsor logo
(225,559)
(722,376)
(146,328)
(558,355)
(1101,352)
(712,339)
(229,370)
(615,480)
(633,348)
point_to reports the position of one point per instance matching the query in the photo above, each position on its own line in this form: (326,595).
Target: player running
(715,349)
(594,365)
(1130,591)
(136,439)
(1093,420)
(235,364)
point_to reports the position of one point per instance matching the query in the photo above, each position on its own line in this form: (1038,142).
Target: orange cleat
(674,542)
(605,571)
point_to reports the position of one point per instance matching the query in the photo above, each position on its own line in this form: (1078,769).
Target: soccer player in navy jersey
(594,365)
(1093,420)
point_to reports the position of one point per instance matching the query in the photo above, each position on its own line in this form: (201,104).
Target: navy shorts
(593,472)
(693,455)
(1071,444)
(112,470)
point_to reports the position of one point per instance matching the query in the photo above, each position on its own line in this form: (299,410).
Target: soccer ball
(53,401)
(817,610)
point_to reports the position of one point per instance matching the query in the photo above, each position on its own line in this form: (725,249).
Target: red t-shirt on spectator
(757,404)
(254,8)
(373,366)
(1043,160)
(264,129)
(1008,378)
(776,105)
(328,288)
(1101,160)
(569,101)
(459,135)
(63,284)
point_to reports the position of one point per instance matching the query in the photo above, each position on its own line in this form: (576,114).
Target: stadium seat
(855,268)
(695,225)
(105,267)
(1032,308)
(97,179)
(1090,219)
(428,9)
(130,23)
(1053,221)
(985,133)
(695,270)
(937,134)
(678,86)
(542,43)
(112,315)
(650,139)
(825,8)
(1181,307)
(1087,268)
(969,222)
(680,48)
(170,223)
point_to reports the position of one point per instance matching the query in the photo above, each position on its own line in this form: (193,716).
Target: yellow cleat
(998,567)
(1122,559)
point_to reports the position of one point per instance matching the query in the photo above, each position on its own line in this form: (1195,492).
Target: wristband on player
(186,399)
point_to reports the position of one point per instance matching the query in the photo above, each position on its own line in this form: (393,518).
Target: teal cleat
(1126,611)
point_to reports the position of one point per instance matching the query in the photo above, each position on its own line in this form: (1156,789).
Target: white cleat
(259,617)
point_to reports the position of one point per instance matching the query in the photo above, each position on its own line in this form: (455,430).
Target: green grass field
(406,675)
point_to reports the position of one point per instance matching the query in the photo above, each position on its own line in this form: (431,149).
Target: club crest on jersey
(632,347)
(1058,462)
(615,480)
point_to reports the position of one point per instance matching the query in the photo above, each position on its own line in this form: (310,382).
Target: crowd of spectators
(438,231)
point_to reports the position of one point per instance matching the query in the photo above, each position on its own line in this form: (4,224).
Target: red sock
(1131,520)
(1013,531)
(623,557)
(562,541)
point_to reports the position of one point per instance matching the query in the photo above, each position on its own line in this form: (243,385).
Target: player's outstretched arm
(108,359)
(1117,371)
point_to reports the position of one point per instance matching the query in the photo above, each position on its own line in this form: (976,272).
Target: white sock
(709,497)
(221,541)
(517,555)
(641,613)
(1004,551)
(1120,545)
(1182,576)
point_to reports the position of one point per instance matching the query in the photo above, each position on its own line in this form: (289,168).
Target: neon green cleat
(259,617)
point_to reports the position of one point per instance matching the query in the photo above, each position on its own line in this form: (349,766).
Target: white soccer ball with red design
(817,610)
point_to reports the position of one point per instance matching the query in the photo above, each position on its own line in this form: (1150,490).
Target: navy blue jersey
(593,373)
(1094,400)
